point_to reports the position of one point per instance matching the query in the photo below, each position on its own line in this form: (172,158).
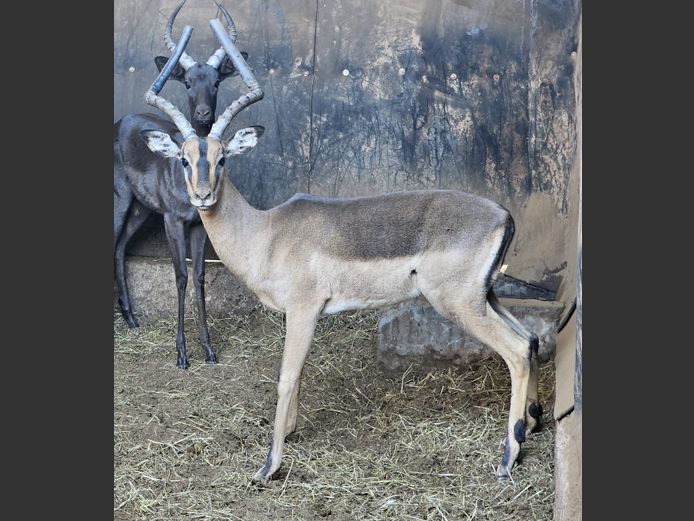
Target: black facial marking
(203,163)
(535,410)
(519,431)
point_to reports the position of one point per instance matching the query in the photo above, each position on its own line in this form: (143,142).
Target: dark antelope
(312,255)
(143,184)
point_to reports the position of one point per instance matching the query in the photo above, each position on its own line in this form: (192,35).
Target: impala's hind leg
(534,408)
(471,311)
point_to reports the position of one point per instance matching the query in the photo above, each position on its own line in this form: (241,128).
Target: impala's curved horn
(186,61)
(152,98)
(256,93)
(216,59)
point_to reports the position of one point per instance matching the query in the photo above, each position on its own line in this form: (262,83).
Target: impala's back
(382,249)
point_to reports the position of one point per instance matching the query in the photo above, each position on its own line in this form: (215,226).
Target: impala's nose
(203,196)
(202,112)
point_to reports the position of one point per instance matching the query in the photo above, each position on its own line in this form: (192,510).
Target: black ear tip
(259,130)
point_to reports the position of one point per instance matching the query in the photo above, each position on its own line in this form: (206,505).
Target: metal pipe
(173,61)
(234,54)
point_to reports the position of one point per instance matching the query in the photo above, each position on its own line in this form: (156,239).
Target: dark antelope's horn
(256,93)
(152,98)
(186,61)
(218,56)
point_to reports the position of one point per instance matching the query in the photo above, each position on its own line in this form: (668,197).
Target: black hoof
(130,319)
(535,412)
(211,358)
(182,364)
(132,322)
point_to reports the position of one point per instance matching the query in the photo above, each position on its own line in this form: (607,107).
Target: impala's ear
(178,73)
(226,68)
(160,143)
(244,140)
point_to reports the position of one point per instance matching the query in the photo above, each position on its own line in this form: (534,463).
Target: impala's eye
(187,84)
(221,162)
(184,162)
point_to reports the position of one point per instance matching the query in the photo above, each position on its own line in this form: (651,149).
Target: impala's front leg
(293,409)
(301,323)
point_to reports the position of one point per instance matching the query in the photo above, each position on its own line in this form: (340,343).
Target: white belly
(374,284)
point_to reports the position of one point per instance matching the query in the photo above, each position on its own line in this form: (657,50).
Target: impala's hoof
(131,321)
(211,358)
(182,363)
(534,417)
(503,473)
(511,453)
(261,478)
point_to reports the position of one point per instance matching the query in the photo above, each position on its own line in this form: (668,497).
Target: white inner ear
(161,143)
(244,140)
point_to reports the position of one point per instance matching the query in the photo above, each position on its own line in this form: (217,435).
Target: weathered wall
(467,94)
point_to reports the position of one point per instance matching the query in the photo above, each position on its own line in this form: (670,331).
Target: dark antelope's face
(202,160)
(202,83)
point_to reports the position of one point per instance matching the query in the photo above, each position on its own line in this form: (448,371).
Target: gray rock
(414,333)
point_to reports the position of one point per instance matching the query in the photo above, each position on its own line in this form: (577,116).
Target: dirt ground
(368,446)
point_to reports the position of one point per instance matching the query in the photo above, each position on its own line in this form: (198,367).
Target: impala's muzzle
(203,114)
(203,201)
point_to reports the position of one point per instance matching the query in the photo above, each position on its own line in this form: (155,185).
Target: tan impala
(313,255)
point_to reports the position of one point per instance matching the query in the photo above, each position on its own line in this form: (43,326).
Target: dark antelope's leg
(138,214)
(175,233)
(121,207)
(300,326)
(122,196)
(534,409)
(197,249)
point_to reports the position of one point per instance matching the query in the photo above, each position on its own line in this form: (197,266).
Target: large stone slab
(414,333)
(152,287)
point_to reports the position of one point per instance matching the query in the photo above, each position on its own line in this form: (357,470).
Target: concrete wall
(467,94)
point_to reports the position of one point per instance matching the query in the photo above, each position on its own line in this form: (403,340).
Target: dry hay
(368,445)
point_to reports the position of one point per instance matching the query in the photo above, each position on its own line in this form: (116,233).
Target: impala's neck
(231,226)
